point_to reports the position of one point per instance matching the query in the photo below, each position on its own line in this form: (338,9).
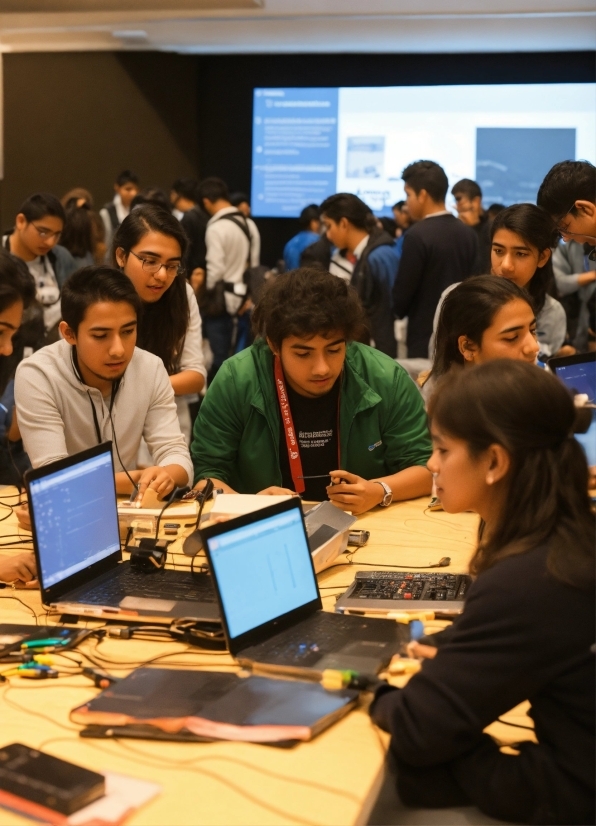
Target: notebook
(214,705)
(76,539)
(270,603)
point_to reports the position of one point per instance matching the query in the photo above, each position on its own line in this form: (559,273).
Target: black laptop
(74,520)
(270,603)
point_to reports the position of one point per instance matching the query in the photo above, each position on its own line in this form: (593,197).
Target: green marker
(44,643)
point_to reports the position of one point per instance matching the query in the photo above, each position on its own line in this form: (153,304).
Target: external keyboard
(386,585)
(172,585)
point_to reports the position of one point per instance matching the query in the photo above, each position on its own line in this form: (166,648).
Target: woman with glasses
(149,246)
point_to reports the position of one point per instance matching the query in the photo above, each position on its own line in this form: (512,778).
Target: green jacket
(382,422)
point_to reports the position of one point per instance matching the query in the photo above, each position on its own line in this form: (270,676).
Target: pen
(320,476)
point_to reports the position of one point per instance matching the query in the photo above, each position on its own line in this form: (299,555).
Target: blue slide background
(294,151)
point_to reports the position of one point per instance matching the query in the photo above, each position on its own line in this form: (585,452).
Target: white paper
(123,794)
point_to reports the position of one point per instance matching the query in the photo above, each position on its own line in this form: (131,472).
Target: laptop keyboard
(171,585)
(304,644)
(385,585)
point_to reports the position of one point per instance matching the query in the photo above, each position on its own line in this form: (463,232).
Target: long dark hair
(537,228)
(163,324)
(531,414)
(468,310)
(78,235)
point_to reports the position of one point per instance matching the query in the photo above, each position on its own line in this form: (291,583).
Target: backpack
(212,302)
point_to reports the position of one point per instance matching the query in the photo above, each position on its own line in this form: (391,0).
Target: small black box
(47,780)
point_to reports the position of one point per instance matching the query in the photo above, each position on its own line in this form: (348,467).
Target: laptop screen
(76,521)
(581,378)
(263,570)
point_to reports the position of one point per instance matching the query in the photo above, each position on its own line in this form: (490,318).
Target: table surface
(333,779)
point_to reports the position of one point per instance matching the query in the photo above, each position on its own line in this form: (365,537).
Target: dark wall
(77,119)
(226,84)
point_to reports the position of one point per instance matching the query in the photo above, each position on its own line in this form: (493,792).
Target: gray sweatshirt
(56,420)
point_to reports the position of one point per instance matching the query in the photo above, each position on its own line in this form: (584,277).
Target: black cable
(28,607)
(135,486)
(169,501)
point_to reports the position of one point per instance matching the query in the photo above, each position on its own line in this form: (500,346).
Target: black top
(194,223)
(437,251)
(522,636)
(482,230)
(315,422)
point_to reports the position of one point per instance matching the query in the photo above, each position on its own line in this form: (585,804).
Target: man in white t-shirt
(34,239)
(233,244)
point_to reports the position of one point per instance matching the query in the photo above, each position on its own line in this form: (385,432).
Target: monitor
(309,143)
(75,517)
(263,570)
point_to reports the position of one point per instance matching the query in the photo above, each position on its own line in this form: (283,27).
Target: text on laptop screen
(581,378)
(76,521)
(263,571)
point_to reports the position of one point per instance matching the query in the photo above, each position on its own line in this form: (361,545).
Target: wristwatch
(388,498)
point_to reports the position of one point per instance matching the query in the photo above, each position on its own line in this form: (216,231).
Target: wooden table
(332,780)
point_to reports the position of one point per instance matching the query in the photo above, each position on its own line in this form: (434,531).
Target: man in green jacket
(307,409)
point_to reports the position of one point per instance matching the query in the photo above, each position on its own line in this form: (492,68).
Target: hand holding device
(353,493)
(156,478)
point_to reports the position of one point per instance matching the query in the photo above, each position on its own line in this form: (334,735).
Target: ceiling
(278,26)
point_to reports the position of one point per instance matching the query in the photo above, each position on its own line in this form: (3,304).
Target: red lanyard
(288,425)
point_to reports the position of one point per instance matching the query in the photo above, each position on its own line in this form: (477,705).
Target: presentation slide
(311,143)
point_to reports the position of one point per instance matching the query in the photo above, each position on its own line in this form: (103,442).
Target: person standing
(438,250)
(126,187)
(233,245)
(310,227)
(350,226)
(34,239)
(468,202)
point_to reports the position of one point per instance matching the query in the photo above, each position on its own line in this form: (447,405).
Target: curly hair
(307,302)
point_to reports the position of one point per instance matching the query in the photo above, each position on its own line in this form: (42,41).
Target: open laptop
(578,373)
(76,538)
(270,603)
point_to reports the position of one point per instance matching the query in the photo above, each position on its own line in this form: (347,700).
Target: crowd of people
(154,324)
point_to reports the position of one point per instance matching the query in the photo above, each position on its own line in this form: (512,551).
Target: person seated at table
(94,385)
(306,406)
(19,570)
(482,319)
(504,448)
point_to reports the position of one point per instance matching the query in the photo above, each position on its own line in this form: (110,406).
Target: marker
(45,643)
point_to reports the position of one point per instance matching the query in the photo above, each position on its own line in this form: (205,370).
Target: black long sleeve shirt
(523,635)
(438,251)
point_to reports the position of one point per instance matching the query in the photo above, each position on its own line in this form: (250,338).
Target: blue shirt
(296,246)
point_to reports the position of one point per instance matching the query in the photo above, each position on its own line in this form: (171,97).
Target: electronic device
(382,592)
(76,539)
(358,538)
(46,781)
(578,373)
(270,603)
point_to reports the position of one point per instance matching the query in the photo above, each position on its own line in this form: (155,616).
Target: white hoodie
(56,420)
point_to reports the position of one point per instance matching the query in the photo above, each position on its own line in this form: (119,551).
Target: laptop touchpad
(147,604)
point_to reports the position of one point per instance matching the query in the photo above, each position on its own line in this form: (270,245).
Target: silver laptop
(77,547)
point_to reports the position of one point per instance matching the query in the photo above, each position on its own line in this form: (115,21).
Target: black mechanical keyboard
(172,585)
(409,586)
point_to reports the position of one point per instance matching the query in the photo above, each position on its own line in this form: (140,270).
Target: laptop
(76,538)
(270,604)
(578,373)
(387,592)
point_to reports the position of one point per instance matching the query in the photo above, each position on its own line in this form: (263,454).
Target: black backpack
(212,302)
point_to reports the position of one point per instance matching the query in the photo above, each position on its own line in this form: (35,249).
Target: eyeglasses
(154,267)
(563,231)
(47,234)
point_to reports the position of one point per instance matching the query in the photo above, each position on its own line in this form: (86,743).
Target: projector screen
(311,143)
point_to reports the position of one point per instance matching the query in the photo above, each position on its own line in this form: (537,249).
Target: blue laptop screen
(76,521)
(263,570)
(581,378)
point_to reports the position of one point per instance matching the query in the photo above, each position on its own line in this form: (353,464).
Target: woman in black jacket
(504,447)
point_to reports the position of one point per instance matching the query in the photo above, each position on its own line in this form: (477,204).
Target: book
(214,705)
